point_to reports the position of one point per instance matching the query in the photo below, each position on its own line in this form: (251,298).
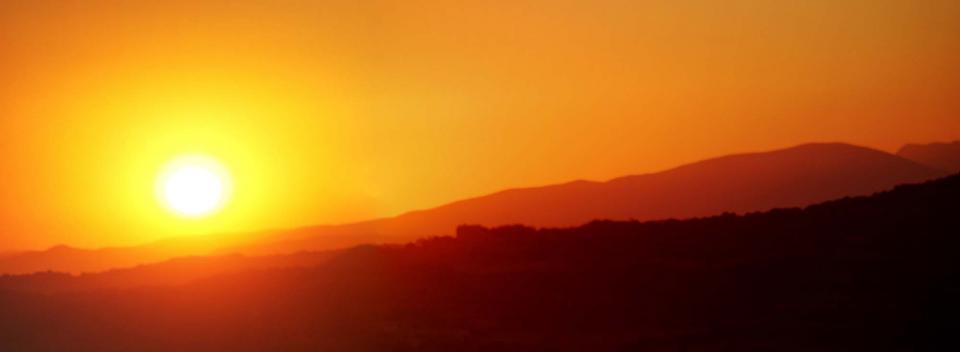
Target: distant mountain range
(873,273)
(171,272)
(796,176)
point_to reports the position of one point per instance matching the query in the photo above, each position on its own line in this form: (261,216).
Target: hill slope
(176,271)
(875,273)
(944,156)
(795,176)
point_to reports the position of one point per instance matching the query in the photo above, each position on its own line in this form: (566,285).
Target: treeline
(877,273)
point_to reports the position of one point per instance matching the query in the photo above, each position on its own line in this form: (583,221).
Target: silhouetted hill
(76,260)
(876,273)
(795,176)
(170,272)
(944,156)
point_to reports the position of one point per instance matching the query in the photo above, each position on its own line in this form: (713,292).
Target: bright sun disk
(193,186)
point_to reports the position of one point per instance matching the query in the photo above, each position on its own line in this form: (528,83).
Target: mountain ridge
(794,176)
(590,193)
(864,273)
(942,155)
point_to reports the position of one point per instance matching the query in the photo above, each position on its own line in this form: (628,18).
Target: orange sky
(334,111)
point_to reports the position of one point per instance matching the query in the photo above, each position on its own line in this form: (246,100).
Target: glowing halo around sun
(193,186)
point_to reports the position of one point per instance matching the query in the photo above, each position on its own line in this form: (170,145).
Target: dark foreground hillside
(879,273)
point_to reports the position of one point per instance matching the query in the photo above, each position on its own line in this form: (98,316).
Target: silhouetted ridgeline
(796,176)
(171,272)
(878,273)
(944,156)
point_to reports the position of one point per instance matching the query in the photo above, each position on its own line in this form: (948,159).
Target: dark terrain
(877,273)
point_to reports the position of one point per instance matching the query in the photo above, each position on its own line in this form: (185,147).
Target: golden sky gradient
(335,111)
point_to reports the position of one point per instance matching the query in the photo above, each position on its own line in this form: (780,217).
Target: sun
(193,186)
